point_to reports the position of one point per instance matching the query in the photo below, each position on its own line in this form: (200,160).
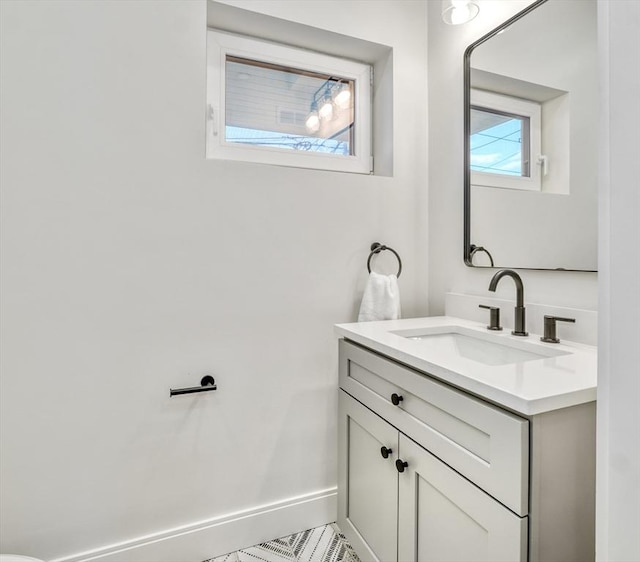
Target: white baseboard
(223,534)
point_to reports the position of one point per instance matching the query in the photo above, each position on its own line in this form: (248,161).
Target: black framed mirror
(530,140)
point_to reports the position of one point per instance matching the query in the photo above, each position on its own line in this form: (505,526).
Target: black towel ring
(376,248)
(475,249)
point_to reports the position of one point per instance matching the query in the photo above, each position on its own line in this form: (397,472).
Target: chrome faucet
(519,319)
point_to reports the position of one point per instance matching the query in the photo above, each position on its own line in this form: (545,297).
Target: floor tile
(231,557)
(277,550)
(322,544)
(349,554)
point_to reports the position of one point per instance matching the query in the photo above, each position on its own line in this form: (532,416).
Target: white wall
(618,469)
(447,271)
(130,264)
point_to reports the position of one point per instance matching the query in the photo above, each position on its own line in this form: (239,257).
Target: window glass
(499,142)
(280,107)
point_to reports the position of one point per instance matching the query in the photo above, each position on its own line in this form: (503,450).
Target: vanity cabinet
(428,472)
(427,511)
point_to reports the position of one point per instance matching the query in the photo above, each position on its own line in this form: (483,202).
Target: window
(275,104)
(499,142)
(505,142)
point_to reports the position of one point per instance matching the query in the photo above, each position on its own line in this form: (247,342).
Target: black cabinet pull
(401,465)
(395,399)
(385,452)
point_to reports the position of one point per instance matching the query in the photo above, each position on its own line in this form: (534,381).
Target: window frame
(482,99)
(222,44)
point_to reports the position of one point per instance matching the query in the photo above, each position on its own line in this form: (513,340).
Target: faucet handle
(550,328)
(494,317)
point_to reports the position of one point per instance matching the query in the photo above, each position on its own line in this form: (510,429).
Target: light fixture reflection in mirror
(456,12)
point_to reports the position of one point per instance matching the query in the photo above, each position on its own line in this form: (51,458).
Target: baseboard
(223,534)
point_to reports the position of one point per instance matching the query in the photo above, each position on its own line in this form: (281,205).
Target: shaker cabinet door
(445,518)
(367,481)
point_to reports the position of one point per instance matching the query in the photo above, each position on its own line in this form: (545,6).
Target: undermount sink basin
(482,348)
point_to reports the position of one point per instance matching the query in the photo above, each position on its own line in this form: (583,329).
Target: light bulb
(313,122)
(460,15)
(343,97)
(326,110)
(455,12)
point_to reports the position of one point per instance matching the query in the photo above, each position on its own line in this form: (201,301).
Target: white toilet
(17,558)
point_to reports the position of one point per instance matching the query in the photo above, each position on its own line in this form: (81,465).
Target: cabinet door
(367,482)
(445,518)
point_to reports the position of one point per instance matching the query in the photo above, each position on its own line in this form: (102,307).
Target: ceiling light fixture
(455,12)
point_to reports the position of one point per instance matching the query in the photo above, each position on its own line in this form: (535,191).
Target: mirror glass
(531,123)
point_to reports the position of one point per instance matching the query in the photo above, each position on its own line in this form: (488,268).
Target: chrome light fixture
(455,12)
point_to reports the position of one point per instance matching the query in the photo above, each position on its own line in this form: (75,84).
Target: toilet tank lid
(17,558)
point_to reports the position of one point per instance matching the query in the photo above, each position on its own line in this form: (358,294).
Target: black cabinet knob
(385,452)
(395,399)
(401,465)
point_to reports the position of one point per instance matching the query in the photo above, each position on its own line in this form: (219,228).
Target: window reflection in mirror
(499,142)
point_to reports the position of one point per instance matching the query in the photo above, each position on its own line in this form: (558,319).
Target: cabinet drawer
(484,443)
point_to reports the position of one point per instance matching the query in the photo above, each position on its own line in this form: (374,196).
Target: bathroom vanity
(456,443)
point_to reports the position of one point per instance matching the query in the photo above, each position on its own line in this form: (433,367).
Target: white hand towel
(381,298)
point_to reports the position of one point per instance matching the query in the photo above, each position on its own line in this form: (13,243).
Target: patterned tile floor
(322,544)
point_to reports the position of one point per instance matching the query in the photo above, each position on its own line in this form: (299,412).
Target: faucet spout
(519,320)
(493,284)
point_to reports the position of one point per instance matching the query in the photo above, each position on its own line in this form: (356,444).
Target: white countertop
(528,387)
